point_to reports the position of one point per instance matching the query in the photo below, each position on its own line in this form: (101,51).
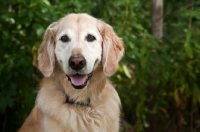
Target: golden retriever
(76,56)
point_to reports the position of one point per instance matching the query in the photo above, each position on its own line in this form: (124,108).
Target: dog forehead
(78,21)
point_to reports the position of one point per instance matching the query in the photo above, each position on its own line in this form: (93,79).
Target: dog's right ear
(46,58)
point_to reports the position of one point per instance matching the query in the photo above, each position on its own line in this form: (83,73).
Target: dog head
(80,44)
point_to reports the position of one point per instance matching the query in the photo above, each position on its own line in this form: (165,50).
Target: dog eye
(90,38)
(65,38)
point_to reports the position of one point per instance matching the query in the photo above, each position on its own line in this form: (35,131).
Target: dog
(77,55)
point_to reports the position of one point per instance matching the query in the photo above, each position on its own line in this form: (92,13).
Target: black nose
(77,62)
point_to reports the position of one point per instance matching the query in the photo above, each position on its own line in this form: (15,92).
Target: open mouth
(79,81)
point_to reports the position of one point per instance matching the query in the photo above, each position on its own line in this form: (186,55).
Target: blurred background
(159,77)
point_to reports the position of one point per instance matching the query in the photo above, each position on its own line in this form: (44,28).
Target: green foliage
(157,81)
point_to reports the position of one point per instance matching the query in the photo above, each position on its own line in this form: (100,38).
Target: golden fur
(51,112)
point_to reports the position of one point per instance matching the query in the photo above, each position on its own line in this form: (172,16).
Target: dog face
(78,48)
(80,43)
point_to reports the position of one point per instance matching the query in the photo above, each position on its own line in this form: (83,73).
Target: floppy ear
(113,49)
(46,56)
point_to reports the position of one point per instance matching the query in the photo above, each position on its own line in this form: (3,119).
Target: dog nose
(77,62)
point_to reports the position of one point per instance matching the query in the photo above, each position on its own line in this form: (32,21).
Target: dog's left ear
(46,58)
(113,49)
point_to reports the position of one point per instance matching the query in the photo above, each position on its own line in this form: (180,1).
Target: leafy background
(158,81)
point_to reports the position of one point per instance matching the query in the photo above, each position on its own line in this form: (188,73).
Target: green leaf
(126,71)
(187,44)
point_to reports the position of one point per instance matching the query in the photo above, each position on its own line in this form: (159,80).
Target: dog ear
(113,49)
(46,58)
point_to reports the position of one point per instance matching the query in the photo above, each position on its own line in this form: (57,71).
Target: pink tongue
(78,80)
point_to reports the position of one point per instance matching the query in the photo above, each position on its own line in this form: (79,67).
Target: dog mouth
(79,81)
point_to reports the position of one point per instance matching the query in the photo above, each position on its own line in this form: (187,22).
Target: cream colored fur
(52,113)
